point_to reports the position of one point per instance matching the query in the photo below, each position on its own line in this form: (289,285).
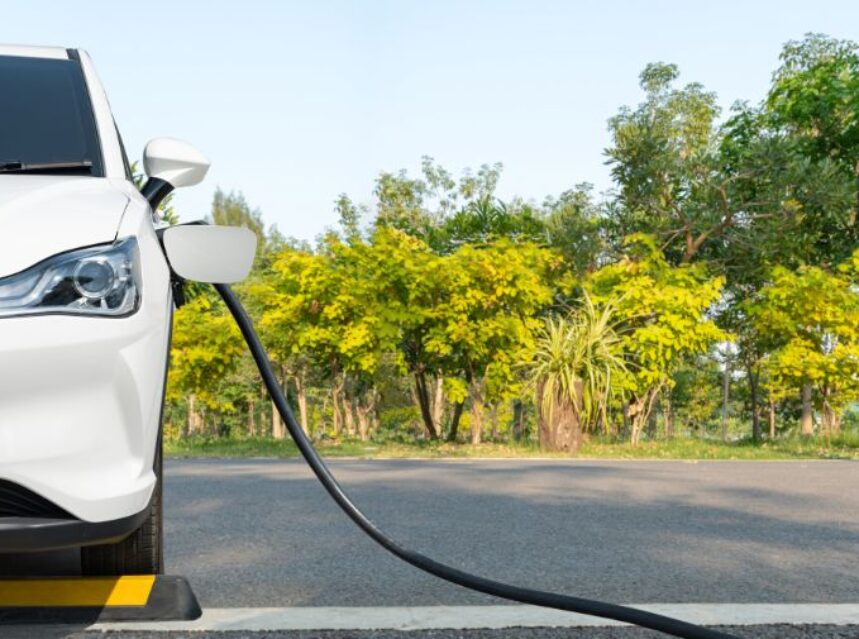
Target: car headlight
(100,280)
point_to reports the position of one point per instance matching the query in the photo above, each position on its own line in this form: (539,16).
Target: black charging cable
(642,618)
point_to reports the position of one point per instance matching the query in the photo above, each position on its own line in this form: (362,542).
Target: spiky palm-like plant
(574,372)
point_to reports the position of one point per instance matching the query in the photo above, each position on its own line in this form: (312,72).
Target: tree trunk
(422,395)
(638,412)
(606,425)
(806,428)
(336,413)
(626,418)
(635,414)
(322,411)
(771,418)
(278,430)
(560,429)
(372,411)
(364,410)
(651,425)
(753,397)
(668,411)
(363,425)
(193,416)
(252,421)
(518,419)
(638,422)
(726,392)
(349,415)
(438,403)
(830,418)
(493,419)
(301,392)
(476,394)
(454,421)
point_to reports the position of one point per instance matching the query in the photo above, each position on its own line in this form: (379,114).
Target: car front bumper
(31,534)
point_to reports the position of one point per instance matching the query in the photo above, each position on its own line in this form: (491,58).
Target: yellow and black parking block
(94,599)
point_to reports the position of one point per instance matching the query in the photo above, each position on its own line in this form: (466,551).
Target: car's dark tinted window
(45,113)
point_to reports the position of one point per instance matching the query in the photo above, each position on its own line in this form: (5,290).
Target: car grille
(17,501)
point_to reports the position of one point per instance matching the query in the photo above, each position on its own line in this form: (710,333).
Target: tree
(815,97)
(369,318)
(279,298)
(575,227)
(207,346)
(663,315)
(814,315)
(487,321)
(662,158)
(421,206)
(815,93)
(791,189)
(743,231)
(231,209)
(693,400)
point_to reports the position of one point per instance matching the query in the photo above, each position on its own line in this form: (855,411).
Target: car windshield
(46,118)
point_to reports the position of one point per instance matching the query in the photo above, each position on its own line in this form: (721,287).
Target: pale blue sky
(295,102)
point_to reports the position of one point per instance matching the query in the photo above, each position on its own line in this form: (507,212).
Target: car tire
(142,552)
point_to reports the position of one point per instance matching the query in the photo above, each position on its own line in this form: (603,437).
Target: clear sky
(296,102)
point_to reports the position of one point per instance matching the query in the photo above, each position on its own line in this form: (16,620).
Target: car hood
(42,215)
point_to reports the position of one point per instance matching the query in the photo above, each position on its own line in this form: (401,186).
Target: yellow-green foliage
(811,316)
(662,309)
(206,348)
(485,319)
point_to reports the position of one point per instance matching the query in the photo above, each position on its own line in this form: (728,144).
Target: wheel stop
(96,599)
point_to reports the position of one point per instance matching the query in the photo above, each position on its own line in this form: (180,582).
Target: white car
(86,303)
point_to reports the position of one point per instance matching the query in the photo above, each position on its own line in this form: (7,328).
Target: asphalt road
(262,533)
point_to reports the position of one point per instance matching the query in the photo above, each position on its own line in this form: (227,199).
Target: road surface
(264,533)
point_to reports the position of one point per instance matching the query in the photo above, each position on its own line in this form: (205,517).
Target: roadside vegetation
(706,307)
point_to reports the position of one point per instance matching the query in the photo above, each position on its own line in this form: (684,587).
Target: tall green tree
(663,160)
(663,312)
(813,317)
(494,293)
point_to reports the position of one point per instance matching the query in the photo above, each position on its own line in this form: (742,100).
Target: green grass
(844,447)
(265,447)
(816,448)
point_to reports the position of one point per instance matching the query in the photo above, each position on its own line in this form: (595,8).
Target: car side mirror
(171,164)
(212,254)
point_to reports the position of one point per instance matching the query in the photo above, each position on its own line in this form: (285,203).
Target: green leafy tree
(662,159)
(814,314)
(576,228)
(663,315)
(485,325)
(815,93)
(207,347)
(285,298)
